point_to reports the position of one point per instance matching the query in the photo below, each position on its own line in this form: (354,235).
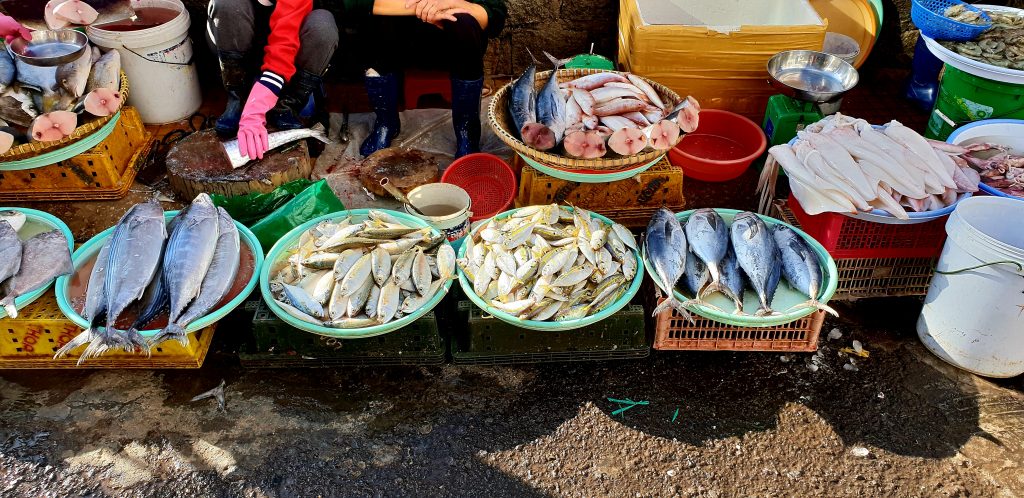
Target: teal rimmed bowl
(285,247)
(37,222)
(92,247)
(785,296)
(551,326)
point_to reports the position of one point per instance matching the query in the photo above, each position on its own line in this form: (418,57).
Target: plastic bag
(287,210)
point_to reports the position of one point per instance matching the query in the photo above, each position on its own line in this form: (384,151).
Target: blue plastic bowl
(92,246)
(1009,130)
(928,17)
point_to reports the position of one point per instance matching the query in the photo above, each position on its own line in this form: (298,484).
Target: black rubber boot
(235,78)
(466,115)
(383,93)
(285,115)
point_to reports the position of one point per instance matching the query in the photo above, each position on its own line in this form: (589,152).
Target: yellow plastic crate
(29,342)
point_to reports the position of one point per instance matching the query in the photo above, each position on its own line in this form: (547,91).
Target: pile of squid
(547,263)
(1000,168)
(846,165)
(593,114)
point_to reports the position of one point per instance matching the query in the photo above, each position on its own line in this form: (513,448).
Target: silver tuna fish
(731,282)
(800,265)
(696,276)
(10,251)
(216,284)
(758,256)
(43,258)
(95,303)
(189,253)
(275,140)
(708,238)
(666,249)
(523,99)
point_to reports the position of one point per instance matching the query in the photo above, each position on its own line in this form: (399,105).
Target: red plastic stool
(420,82)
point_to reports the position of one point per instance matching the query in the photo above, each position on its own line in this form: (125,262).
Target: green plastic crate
(275,344)
(484,340)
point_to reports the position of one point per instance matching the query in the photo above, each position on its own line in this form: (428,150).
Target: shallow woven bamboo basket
(32,149)
(501,122)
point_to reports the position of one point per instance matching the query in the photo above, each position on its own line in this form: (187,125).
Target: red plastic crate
(845,237)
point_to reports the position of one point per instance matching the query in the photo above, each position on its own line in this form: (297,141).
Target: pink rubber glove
(252,127)
(9,29)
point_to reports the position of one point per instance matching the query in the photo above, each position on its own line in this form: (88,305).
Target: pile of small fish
(845,165)
(547,263)
(183,267)
(350,274)
(43,104)
(595,113)
(707,256)
(29,265)
(1001,45)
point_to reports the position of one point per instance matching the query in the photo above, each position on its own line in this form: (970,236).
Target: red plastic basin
(722,147)
(489,181)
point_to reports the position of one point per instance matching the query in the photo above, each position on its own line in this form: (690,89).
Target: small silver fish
(275,140)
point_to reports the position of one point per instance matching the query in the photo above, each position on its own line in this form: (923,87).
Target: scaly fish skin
(666,249)
(758,256)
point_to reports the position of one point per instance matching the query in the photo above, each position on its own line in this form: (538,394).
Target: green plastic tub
(965,98)
(37,222)
(595,177)
(285,247)
(785,297)
(89,250)
(467,288)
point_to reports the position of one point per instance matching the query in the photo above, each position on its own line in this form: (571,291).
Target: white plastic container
(445,206)
(841,46)
(974,317)
(158,63)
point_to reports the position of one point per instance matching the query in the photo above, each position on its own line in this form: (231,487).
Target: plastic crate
(861,278)
(485,340)
(673,332)
(630,202)
(275,344)
(105,172)
(30,340)
(845,237)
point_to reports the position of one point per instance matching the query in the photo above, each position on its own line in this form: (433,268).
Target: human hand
(435,11)
(10,29)
(252,127)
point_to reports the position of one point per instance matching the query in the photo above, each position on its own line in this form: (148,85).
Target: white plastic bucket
(841,46)
(164,85)
(973,316)
(452,204)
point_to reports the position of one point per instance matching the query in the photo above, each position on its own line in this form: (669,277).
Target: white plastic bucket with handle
(158,63)
(973,317)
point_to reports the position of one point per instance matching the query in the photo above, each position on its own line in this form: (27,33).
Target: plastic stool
(420,82)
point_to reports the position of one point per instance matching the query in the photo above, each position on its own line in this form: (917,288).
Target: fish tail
(9,307)
(320,133)
(764,311)
(171,331)
(558,63)
(85,337)
(671,302)
(532,57)
(823,307)
(134,342)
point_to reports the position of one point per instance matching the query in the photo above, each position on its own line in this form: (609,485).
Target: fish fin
(532,57)
(85,337)
(11,309)
(171,331)
(700,302)
(558,63)
(132,342)
(761,312)
(320,133)
(676,305)
(814,303)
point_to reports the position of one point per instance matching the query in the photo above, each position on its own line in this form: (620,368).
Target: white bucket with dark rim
(445,206)
(158,63)
(973,316)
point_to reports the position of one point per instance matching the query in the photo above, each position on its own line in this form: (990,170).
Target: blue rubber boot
(466,115)
(286,115)
(383,93)
(235,78)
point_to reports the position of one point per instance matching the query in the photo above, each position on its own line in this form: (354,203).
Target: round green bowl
(549,326)
(590,177)
(785,296)
(288,244)
(55,156)
(89,249)
(37,222)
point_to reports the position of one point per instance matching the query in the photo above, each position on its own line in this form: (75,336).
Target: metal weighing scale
(812,85)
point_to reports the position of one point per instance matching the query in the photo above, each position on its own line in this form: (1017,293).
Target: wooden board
(199,164)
